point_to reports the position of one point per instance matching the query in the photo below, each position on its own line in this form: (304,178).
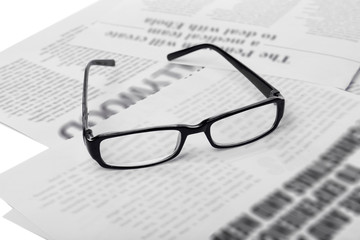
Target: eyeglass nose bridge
(203,126)
(198,128)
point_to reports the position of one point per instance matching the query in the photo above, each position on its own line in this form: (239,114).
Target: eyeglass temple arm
(85,113)
(265,88)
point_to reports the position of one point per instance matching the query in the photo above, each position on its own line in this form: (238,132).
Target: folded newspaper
(301,182)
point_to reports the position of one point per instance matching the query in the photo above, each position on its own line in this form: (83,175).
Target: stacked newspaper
(300,182)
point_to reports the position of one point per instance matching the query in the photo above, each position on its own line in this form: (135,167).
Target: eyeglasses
(151,146)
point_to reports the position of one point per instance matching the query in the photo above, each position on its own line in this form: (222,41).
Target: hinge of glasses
(88,134)
(275,93)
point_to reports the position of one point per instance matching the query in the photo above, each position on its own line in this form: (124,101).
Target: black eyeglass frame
(272,95)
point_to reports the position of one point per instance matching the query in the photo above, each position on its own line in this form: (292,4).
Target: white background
(20,19)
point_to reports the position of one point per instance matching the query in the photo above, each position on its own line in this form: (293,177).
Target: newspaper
(42,76)
(151,29)
(42,80)
(60,190)
(55,54)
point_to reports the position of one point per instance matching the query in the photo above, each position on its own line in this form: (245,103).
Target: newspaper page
(50,54)
(319,201)
(59,190)
(317,18)
(152,29)
(42,77)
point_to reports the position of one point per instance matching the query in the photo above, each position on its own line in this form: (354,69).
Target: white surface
(20,19)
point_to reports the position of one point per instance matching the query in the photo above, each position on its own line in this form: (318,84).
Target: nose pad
(178,141)
(208,136)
